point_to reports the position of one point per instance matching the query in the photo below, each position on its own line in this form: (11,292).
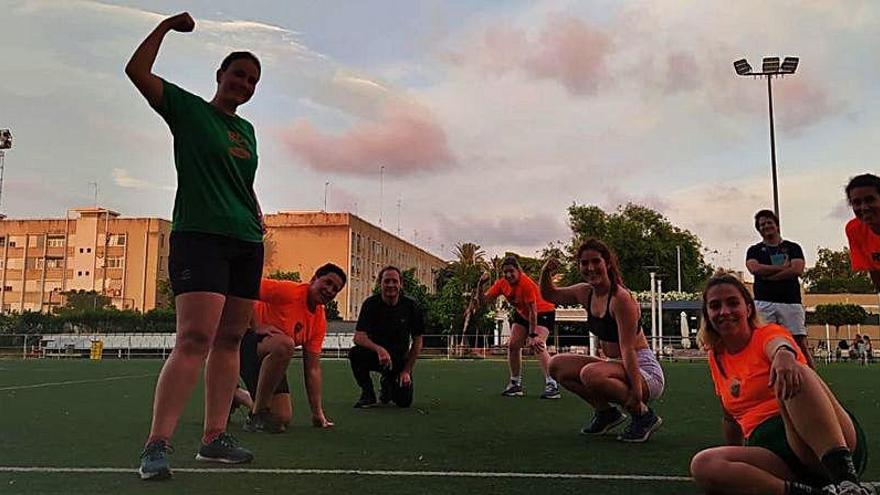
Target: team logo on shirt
(239,146)
(735,387)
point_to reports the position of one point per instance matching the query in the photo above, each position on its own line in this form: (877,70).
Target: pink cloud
(572,52)
(406,139)
(567,50)
(801,101)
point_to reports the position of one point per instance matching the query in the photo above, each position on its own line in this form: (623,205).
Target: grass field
(56,416)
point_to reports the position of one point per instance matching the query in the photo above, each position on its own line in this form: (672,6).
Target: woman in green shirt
(216,245)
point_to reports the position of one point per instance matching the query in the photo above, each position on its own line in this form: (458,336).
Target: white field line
(349,472)
(75,382)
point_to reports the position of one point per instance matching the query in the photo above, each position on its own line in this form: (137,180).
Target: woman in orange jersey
(631,376)
(785,431)
(531,322)
(863,231)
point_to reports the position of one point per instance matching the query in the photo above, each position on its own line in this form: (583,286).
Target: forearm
(767,270)
(413,355)
(141,62)
(363,340)
(313,389)
(631,366)
(784,274)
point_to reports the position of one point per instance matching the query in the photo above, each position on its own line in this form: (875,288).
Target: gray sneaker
(154,461)
(513,390)
(224,448)
(551,391)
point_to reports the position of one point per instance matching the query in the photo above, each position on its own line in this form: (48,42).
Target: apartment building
(92,249)
(302,241)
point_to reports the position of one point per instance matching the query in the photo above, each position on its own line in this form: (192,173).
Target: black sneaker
(513,390)
(640,427)
(385,388)
(603,421)
(154,461)
(224,448)
(368,399)
(263,421)
(551,391)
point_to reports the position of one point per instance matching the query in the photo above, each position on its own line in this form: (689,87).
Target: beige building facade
(302,241)
(92,249)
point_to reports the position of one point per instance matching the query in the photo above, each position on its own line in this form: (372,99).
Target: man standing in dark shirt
(388,339)
(776,265)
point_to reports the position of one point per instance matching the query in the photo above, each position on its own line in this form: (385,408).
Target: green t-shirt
(215,155)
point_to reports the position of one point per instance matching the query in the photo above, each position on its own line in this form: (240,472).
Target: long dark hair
(611,263)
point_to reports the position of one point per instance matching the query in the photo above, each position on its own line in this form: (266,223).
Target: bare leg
(221,372)
(276,351)
(566,369)
(514,346)
(740,470)
(539,344)
(198,316)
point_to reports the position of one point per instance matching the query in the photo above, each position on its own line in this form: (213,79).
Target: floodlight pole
(773,146)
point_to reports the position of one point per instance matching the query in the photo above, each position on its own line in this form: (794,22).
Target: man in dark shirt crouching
(388,340)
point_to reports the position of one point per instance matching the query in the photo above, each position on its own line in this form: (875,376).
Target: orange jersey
(520,295)
(284,305)
(864,246)
(743,384)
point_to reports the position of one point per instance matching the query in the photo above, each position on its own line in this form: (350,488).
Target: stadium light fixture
(770,68)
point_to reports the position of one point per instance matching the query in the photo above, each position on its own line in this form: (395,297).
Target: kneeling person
(288,314)
(388,339)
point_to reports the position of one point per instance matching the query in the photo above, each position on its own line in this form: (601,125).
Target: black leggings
(363,361)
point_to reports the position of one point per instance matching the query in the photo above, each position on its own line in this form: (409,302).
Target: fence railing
(336,345)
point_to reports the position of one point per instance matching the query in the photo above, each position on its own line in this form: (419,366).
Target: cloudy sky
(490,118)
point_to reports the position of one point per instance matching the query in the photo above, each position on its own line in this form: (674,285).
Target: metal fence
(336,345)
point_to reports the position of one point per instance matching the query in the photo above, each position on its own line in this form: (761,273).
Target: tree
(641,237)
(837,315)
(331,310)
(832,275)
(164,295)
(83,300)
(282,275)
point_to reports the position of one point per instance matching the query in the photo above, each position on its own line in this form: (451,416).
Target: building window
(54,263)
(55,242)
(119,240)
(35,241)
(87,273)
(114,262)
(11,243)
(2,241)
(79,274)
(33,263)
(88,250)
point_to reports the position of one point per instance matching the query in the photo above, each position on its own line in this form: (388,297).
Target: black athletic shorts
(201,262)
(546,319)
(771,435)
(250,364)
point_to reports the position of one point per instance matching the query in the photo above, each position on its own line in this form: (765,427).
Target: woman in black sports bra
(631,376)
